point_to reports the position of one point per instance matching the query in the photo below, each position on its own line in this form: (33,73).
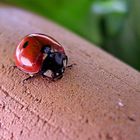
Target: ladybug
(40,54)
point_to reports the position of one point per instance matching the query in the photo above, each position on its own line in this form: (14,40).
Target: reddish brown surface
(99,99)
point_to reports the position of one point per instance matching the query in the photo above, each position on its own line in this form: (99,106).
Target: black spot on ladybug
(23,65)
(46,49)
(25,44)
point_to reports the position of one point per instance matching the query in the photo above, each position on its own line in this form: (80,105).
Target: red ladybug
(41,54)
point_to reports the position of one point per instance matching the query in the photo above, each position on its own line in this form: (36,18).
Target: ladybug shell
(28,55)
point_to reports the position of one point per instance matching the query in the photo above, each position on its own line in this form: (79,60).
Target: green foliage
(109,7)
(111,24)
(71,14)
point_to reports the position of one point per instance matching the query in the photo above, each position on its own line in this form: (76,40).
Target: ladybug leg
(13,66)
(65,62)
(70,66)
(57,78)
(30,77)
(46,77)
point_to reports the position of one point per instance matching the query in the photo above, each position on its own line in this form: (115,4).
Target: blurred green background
(111,24)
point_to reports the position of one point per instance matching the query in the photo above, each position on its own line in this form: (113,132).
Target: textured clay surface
(98,99)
